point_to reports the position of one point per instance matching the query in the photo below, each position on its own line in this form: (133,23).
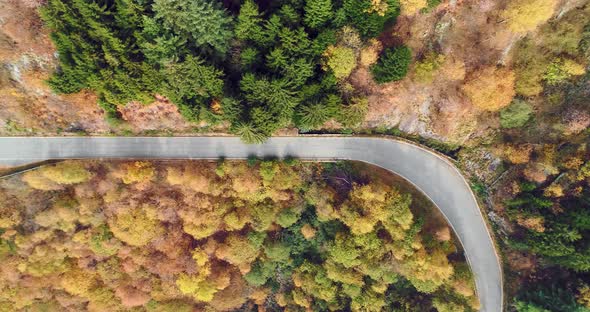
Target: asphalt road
(433,175)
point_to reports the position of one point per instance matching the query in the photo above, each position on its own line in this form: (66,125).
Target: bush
(516,115)
(426,69)
(392,65)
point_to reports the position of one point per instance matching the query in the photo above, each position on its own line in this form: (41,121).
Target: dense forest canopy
(259,65)
(226,236)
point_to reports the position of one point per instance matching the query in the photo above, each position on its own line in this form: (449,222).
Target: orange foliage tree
(490,88)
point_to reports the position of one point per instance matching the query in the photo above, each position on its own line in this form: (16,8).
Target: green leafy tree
(516,115)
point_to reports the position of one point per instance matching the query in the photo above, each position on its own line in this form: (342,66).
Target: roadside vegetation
(259,66)
(225,236)
(543,193)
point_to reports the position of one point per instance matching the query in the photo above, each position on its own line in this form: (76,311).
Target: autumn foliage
(206,236)
(490,88)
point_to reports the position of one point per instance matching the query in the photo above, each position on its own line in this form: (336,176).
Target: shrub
(425,70)
(392,65)
(516,115)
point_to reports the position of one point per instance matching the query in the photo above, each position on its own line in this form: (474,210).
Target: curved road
(433,175)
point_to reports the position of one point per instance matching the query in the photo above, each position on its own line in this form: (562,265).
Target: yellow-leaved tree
(411,7)
(136,226)
(526,15)
(52,177)
(490,88)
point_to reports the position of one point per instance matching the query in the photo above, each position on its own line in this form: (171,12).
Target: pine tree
(193,82)
(205,23)
(312,116)
(248,133)
(392,65)
(249,22)
(317,13)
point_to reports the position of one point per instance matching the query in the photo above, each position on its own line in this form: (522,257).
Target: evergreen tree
(205,23)
(392,65)
(317,13)
(312,116)
(360,14)
(248,133)
(193,84)
(249,22)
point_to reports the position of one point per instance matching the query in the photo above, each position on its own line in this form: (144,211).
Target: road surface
(435,176)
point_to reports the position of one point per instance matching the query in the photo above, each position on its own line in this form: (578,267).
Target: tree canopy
(258,66)
(231,236)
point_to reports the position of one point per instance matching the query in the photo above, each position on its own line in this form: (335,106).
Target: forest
(543,192)
(261,66)
(224,236)
(501,86)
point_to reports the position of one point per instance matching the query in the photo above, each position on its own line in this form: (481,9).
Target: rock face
(27,57)
(27,104)
(467,33)
(469,37)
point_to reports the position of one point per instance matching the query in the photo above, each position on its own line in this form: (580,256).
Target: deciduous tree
(490,88)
